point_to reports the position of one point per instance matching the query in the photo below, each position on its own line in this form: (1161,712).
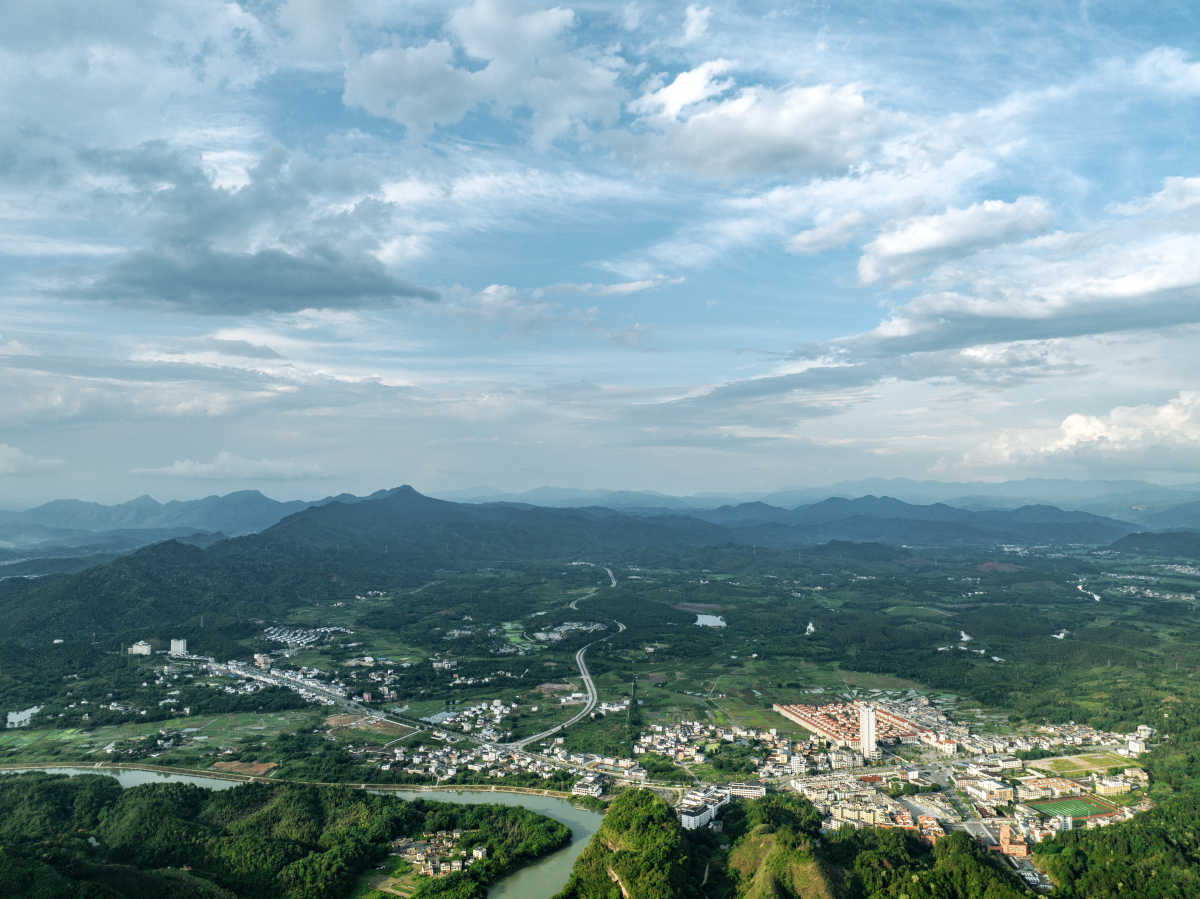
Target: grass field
(1076,807)
(1072,765)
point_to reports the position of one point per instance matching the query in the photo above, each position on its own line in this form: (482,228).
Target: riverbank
(541,879)
(250,778)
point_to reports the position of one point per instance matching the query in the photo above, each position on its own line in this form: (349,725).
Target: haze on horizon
(316,246)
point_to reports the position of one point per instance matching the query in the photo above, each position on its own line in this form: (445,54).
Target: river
(545,877)
(541,880)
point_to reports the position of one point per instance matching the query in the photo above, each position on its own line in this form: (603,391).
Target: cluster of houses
(438,854)
(564,630)
(299,637)
(484,719)
(447,761)
(688,741)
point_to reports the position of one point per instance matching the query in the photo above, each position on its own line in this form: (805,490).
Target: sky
(315,246)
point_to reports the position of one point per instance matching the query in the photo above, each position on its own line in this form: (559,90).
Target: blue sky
(323,245)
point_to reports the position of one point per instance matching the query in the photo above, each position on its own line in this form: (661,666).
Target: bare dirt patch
(1001,567)
(342,720)
(556,688)
(699,607)
(256,769)
(655,678)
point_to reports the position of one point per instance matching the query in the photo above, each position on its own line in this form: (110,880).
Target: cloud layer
(649,245)
(227,466)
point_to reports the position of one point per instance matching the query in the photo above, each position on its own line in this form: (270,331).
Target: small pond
(710,621)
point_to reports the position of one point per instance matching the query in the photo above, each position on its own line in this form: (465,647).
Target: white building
(141,648)
(179,647)
(747,791)
(866,729)
(699,807)
(589,785)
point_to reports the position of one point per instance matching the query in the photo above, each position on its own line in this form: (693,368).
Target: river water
(541,880)
(545,877)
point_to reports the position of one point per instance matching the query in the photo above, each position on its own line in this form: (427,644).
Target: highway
(611,577)
(592,696)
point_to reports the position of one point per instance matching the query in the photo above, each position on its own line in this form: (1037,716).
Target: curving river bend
(541,880)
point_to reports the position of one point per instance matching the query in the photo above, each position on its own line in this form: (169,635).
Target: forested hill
(399,537)
(403,520)
(1182,544)
(772,848)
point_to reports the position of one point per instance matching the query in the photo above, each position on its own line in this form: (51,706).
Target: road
(611,577)
(575,603)
(593,696)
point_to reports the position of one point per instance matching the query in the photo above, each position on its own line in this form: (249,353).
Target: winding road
(592,695)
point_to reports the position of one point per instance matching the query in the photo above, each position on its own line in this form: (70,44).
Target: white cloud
(230,467)
(500,306)
(829,232)
(688,87)
(1165,68)
(529,66)
(15,462)
(918,243)
(630,337)
(1127,426)
(631,16)
(16,348)
(1178,194)
(1125,431)
(787,131)
(316,25)
(605,290)
(696,22)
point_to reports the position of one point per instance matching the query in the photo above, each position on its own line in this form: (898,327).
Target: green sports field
(1076,807)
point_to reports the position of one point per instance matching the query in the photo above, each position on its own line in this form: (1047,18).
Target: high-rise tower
(866,729)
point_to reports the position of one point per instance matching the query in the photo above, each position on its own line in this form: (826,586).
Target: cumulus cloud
(529,65)
(230,467)
(297,235)
(797,131)
(15,462)
(315,25)
(916,244)
(1125,433)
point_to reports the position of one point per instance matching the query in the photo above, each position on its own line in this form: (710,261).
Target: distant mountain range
(400,535)
(405,521)
(91,532)
(1024,512)
(1127,500)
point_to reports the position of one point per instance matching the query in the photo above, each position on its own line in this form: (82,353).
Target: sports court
(1075,806)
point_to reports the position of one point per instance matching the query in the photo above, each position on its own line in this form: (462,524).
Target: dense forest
(774,851)
(85,836)
(1157,854)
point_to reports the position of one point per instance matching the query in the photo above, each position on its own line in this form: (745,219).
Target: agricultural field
(195,740)
(999,640)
